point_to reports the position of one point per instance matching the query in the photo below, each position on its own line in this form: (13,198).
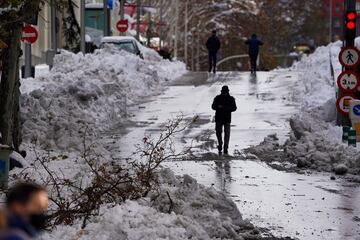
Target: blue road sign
(356,110)
(110,4)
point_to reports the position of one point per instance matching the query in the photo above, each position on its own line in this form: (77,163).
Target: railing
(247,56)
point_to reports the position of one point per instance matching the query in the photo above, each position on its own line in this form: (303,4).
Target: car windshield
(126,46)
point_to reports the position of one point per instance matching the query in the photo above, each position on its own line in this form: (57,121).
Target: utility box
(5,152)
(354,114)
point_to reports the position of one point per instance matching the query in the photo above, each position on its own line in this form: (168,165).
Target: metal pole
(28,64)
(161,22)
(192,53)
(198,52)
(330,20)
(350,5)
(53,41)
(53,26)
(122,13)
(106,19)
(138,13)
(82,23)
(186,32)
(176,29)
(148,33)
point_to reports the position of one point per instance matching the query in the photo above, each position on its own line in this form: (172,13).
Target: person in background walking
(213,45)
(26,204)
(254,48)
(224,105)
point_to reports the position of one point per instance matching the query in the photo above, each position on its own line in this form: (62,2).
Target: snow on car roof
(117,39)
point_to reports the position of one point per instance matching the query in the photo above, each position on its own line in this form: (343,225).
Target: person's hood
(254,36)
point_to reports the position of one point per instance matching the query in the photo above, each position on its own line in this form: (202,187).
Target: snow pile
(197,212)
(316,86)
(92,90)
(212,210)
(315,140)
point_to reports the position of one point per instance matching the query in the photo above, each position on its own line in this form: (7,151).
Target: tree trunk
(10,32)
(9,85)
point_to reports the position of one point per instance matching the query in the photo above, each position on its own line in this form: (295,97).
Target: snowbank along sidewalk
(92,90)
(315,140)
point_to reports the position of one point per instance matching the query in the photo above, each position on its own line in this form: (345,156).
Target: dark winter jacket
(213,44)
(254,44)
(224,105)
(18,229)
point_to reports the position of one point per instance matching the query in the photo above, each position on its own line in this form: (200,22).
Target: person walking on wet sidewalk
(254,48)
(213,45)
(224,105)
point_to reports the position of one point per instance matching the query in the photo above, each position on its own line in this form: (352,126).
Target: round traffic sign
(349,57)
(348,81)
(29,34)
(122,25)
(343,103)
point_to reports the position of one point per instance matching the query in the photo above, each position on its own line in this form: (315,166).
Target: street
(306,206)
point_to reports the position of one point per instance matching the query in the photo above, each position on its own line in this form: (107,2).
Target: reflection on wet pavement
(262,103)
(303,206)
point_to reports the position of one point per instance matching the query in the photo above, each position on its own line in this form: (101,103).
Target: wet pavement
(288,204)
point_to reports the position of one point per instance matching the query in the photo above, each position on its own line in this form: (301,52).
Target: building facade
(43,44)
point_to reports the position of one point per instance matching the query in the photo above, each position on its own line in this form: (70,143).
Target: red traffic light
(351,15)
(350,25)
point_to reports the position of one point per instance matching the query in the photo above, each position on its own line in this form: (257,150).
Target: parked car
(128,44)
(303,48)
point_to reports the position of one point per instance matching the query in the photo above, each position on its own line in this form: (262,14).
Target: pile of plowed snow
(315,140)
(92,90)
(197,213)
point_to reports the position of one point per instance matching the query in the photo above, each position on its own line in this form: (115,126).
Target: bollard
(352,137)
(345,134)
(5,152)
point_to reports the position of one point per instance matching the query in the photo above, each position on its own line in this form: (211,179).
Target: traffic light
(350,27)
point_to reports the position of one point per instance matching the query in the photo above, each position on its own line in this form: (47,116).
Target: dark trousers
(219,128)
(212,61)
(253,62)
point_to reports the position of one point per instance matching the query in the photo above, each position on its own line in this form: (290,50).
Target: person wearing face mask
(26,205)
(224,105)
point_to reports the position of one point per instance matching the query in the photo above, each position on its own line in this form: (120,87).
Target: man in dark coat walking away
(224,105)
(254,45)
(213,45)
